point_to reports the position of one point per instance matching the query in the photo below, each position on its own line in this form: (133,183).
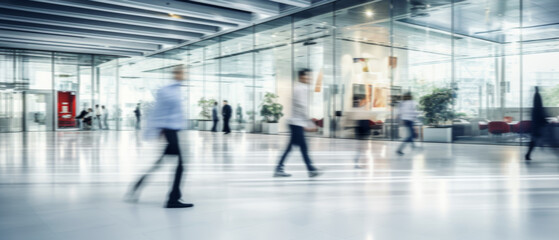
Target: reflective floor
(70,185)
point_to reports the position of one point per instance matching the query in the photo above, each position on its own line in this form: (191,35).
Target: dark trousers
(297,138)
(226,124)
(533,143)
(214,128)
(171,149)
(411,134)
(138,122)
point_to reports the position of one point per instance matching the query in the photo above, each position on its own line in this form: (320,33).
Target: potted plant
(271,112)
(205,122)
(437,107)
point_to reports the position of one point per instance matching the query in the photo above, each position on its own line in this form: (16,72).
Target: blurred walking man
(407,110)
(298,124)
(538,125)
(167,119)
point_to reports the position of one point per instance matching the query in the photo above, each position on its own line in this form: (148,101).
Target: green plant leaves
(438,106)
(270,110)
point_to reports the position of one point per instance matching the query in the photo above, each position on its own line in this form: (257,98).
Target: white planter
(205,125)
(433,134)
(270,128)
(249,127)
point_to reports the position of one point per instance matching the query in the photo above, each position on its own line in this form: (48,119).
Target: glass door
(38,111)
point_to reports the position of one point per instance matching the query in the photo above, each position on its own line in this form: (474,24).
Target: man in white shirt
(407,110)
(167,119)
(298,124)
(105,113)
(98,116)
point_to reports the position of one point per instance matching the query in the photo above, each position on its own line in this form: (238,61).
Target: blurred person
(80,117)
(88,119)
(215,117)
(105,113)
(226,111)
(299,122)
(239,113)
(138,114)
(538,125)
(362,125)
(407,112)
(98,116)
(167,119)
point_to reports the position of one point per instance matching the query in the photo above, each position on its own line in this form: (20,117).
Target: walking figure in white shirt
(298,124)
(407,110)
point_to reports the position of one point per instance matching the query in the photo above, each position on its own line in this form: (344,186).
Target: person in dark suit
(538,123)
(138,114)
(80,117)
(215,117)
(226,111)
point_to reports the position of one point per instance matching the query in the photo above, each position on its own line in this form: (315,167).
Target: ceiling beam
(22,16)
(93,42)
(68,31)
(43,47)
(297,3)
(73,45)
(256,6)
(186,9)
(135,12)
(108,17)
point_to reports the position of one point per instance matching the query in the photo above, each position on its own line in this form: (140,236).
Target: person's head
(138,105)
(96,105)
(103,107)
(90,110)
(305,75)
(407,96)
(215,103)
(225,102)
(178,73)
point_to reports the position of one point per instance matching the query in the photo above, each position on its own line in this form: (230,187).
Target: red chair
(482,125)
(522,127)
(498,127)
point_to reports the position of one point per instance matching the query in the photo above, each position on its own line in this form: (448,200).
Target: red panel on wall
(66,109)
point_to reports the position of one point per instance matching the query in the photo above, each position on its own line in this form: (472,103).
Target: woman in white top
(407,111)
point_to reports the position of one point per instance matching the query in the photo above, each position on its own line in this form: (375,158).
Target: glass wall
(488,55)
(484,56)
(45,91)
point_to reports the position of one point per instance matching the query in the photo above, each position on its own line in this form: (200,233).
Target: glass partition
(273,69)
(237,77)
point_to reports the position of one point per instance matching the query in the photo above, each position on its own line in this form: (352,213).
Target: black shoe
(400,153)
(527,157)
(281,173)
(315,173)
(178,204)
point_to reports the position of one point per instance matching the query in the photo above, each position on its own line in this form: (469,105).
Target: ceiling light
(369,13)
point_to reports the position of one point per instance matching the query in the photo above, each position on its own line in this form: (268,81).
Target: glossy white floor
(70,185)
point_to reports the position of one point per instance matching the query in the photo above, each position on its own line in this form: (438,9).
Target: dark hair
(96,105)
(215,103)
(225,101)
(304,71)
